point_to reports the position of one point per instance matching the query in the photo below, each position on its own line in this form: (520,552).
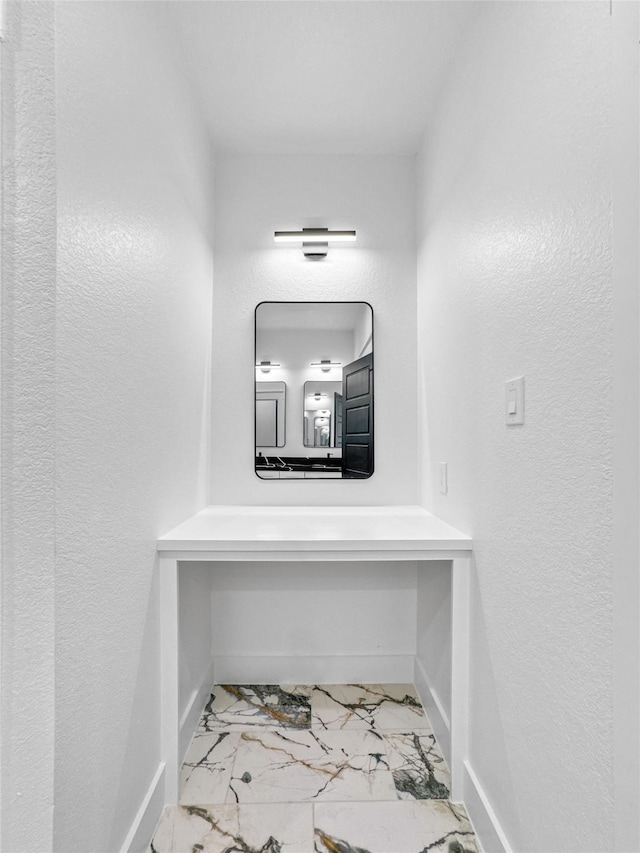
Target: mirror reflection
(270,414)
(320,356)
(322,407)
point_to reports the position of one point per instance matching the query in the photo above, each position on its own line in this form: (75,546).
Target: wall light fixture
(326,364)
(265,366)
(315,241)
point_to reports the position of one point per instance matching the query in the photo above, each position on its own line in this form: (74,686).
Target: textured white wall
(133,328)
(626,423)
(28,441)
(256,195)
(309,622)
(514,278)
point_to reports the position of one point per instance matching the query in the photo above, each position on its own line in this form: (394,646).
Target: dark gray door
(357,423)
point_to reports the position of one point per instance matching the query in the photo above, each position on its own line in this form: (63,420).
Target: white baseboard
(147,817)
(193,711)
(321,669)
(482,815)
(438,717)
(485,823)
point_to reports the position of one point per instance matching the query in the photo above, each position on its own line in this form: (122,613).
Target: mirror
(319,356)
(322,400)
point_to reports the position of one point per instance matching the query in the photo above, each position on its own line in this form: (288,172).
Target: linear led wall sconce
(265,366)
(315,241)
(326,364)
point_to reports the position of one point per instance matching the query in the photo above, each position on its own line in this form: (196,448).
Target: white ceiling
(319,76)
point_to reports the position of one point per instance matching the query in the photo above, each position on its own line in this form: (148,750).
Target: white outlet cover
(444,486)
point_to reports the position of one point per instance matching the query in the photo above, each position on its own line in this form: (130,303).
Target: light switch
(514,401)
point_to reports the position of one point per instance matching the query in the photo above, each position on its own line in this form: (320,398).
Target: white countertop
(260,528)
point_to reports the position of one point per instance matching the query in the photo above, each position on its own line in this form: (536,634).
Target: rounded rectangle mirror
(319,356)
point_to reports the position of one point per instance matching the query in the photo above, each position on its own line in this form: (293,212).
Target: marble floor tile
(314,769)
(419,769)
(280,828)
(367,706)
(400,827)
(234,707)
(207,767)
(284,765)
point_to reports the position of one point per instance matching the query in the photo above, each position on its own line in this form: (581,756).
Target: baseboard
(479,809)
(320,669)
(435,710)
(146,820)
(193,711)
(482,815)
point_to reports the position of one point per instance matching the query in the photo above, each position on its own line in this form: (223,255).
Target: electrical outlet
(444,485)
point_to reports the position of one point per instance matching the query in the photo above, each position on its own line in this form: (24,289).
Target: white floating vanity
(313,534)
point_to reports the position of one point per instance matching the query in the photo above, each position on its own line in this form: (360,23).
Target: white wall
(514,278)
(626,422)
(133,329)
(28,440)
(317,622)
(256,195)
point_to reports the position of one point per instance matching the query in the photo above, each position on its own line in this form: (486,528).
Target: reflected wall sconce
(315,241)
(326,364)
(265,366)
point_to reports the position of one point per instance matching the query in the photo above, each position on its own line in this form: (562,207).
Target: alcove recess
(314,595)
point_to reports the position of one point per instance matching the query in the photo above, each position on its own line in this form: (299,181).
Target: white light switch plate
(514,401)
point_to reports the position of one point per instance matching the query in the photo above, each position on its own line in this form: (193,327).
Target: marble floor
(314,769)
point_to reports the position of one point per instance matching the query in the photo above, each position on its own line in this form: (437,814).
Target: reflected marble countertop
(298,463)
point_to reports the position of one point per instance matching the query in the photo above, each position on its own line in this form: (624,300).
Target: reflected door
(357,418)
(267,423)
(337,420)
(270,414)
